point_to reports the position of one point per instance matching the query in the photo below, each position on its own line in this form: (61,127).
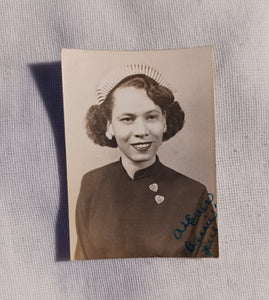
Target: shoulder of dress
(178,178)
(92,180)
(102,171)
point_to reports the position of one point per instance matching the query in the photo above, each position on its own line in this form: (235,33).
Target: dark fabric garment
(118,217)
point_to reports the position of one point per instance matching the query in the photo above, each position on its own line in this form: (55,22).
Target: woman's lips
(142,146)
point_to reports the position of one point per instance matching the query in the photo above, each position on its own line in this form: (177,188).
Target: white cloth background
(32,185)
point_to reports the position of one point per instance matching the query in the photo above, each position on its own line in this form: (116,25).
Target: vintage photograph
(140,153)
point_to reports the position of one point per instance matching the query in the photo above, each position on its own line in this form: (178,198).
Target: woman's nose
(140,128)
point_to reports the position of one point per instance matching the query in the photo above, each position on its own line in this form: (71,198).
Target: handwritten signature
(191,246)
(193,220)
(206,247)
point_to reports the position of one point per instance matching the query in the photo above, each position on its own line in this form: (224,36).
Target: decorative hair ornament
(114,77)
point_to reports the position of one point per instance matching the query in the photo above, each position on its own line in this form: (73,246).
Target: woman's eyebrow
(133,115)
(152,111)
(127,114)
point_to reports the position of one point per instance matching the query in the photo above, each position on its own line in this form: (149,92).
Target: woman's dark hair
(98,115)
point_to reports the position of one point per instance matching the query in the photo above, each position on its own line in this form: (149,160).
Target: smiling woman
(132,207)
(138,125)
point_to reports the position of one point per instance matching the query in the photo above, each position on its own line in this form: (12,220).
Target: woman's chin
(140,156)
(143,157)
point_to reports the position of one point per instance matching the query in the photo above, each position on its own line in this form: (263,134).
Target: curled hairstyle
(98,115)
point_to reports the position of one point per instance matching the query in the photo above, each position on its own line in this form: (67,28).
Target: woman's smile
(142,146)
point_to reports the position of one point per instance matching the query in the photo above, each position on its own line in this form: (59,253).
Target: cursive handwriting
(191,246)
(189,220)
(206,246)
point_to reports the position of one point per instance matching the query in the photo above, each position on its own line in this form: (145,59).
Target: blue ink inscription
(189,220)
(206,247)
(191,246)
(204,233)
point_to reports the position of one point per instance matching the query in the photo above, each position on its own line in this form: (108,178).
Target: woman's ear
(109,132)
(110,129)
(164,123)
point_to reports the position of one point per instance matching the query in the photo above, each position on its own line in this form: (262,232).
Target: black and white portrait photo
(140,153)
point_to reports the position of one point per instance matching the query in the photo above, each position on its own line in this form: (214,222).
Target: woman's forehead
(132,100)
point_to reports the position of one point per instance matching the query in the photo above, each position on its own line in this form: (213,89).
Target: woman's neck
(131,167)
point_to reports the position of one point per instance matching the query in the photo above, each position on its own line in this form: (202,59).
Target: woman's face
(137,123)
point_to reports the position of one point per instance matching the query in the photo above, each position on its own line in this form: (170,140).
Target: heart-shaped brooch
(159,199)
(154,187)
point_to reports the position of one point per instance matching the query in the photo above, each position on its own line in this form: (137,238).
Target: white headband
(114,77)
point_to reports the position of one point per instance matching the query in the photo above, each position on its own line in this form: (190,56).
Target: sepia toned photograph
(140,153)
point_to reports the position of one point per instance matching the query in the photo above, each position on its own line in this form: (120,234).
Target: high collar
(151,171)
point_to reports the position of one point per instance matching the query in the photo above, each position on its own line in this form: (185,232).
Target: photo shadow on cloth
(49,81)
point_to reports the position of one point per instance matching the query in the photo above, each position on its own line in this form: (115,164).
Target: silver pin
(154,187)
(159,199)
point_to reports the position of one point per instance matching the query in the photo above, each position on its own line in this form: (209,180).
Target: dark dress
(118,217)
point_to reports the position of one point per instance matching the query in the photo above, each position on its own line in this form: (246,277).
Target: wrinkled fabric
(33,200)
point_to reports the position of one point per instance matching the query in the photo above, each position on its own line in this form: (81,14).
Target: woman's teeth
(142,147)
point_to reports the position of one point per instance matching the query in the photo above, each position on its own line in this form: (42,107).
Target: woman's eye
(126,120)
(152,117)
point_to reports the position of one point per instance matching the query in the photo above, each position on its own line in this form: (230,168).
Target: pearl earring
(165,128)
(109,135)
